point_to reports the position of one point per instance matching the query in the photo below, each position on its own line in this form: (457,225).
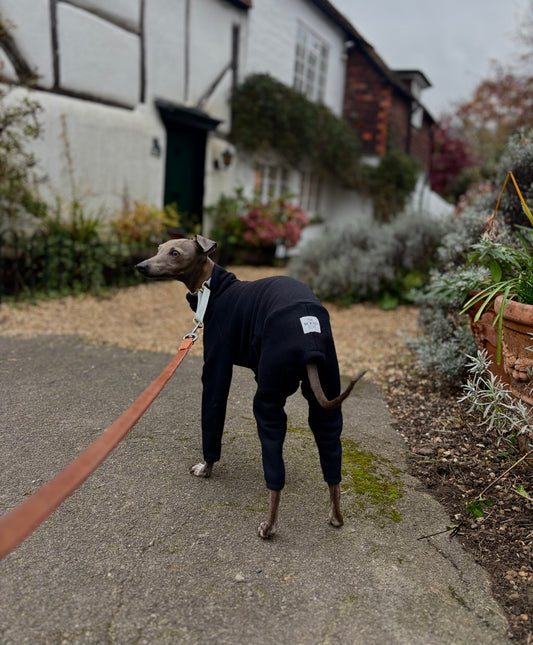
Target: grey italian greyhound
(278,328)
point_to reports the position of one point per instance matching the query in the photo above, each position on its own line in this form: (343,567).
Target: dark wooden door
(184,172)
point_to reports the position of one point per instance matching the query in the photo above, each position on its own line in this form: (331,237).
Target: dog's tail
(314,381)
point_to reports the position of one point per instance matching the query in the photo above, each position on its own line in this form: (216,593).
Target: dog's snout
(142,267)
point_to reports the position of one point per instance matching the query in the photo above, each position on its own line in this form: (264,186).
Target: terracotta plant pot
(486,336)
(517,357)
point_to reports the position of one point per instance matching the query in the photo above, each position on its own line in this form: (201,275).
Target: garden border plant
(499,411)
(369,260)
(499,265)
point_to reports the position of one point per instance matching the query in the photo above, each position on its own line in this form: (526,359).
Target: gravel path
(154,316)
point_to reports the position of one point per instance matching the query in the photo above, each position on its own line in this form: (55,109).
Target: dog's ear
(206,246)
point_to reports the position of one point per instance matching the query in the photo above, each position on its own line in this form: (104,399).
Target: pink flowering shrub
(251,222)
(276,221)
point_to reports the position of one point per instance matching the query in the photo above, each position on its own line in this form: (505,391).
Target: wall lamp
(156,148)
(226,157)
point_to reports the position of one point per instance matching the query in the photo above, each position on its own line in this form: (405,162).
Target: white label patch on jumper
(310,324)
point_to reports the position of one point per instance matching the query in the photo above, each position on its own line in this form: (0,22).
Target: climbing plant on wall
(268,115)
(390,183)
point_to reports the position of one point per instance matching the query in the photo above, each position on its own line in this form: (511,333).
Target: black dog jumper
(273,326)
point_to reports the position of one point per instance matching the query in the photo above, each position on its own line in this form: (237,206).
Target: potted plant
(504,303)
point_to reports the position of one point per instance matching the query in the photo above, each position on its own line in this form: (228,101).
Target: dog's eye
(174,252)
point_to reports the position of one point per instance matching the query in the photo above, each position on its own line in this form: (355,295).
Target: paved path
(145,553)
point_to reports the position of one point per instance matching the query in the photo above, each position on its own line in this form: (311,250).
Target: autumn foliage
(471,140)
(499,106)
(450,158)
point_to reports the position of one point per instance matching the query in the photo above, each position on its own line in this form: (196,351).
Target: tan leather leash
(21,521)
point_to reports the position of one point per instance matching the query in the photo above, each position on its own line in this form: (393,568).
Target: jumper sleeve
(216,379)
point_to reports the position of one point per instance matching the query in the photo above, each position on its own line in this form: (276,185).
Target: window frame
(271,180)
(310,63)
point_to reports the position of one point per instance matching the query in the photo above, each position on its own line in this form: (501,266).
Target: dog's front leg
(335,514)
(269,527)
(203,469)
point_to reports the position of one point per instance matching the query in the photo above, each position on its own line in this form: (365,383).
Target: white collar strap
(203,298)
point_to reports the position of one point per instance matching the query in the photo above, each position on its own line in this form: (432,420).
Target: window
(270,181)
(309,197)
(417,115)
(417,111)
(311,64)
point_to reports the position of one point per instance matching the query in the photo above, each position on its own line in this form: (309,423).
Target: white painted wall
(110,146)
(165,50)
(109,150)
(272,44)
(209,52)
(211,33)
(341,206)
(6,66)
(424,199)
(126,11)
(97,57)
(30,20)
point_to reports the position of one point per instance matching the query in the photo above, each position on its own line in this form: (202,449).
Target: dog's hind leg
(272,427)
(335,513)
(326,426)
(269,527)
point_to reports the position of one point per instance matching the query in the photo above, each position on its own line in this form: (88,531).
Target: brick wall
(422,143)
(367,102)
(380,111)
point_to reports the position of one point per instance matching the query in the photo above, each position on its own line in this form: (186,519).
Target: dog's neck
(200,273)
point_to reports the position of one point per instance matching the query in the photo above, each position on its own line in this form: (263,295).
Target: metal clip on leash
(203,298)
(193,333)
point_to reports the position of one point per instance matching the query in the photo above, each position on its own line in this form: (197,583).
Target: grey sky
(451,41)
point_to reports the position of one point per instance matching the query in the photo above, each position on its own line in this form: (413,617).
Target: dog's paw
(201,470)
(266,530)
(335,520)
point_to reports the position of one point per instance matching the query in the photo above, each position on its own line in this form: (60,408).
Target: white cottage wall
(97,57)
(127,12)
(96,154)
(187,44)
(109,147)
(30,21)
(211,51)
(165,50)
(272,44)
(186,51)
(190,77)
(8,71)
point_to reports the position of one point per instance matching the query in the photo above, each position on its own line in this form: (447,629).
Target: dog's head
(178,258)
